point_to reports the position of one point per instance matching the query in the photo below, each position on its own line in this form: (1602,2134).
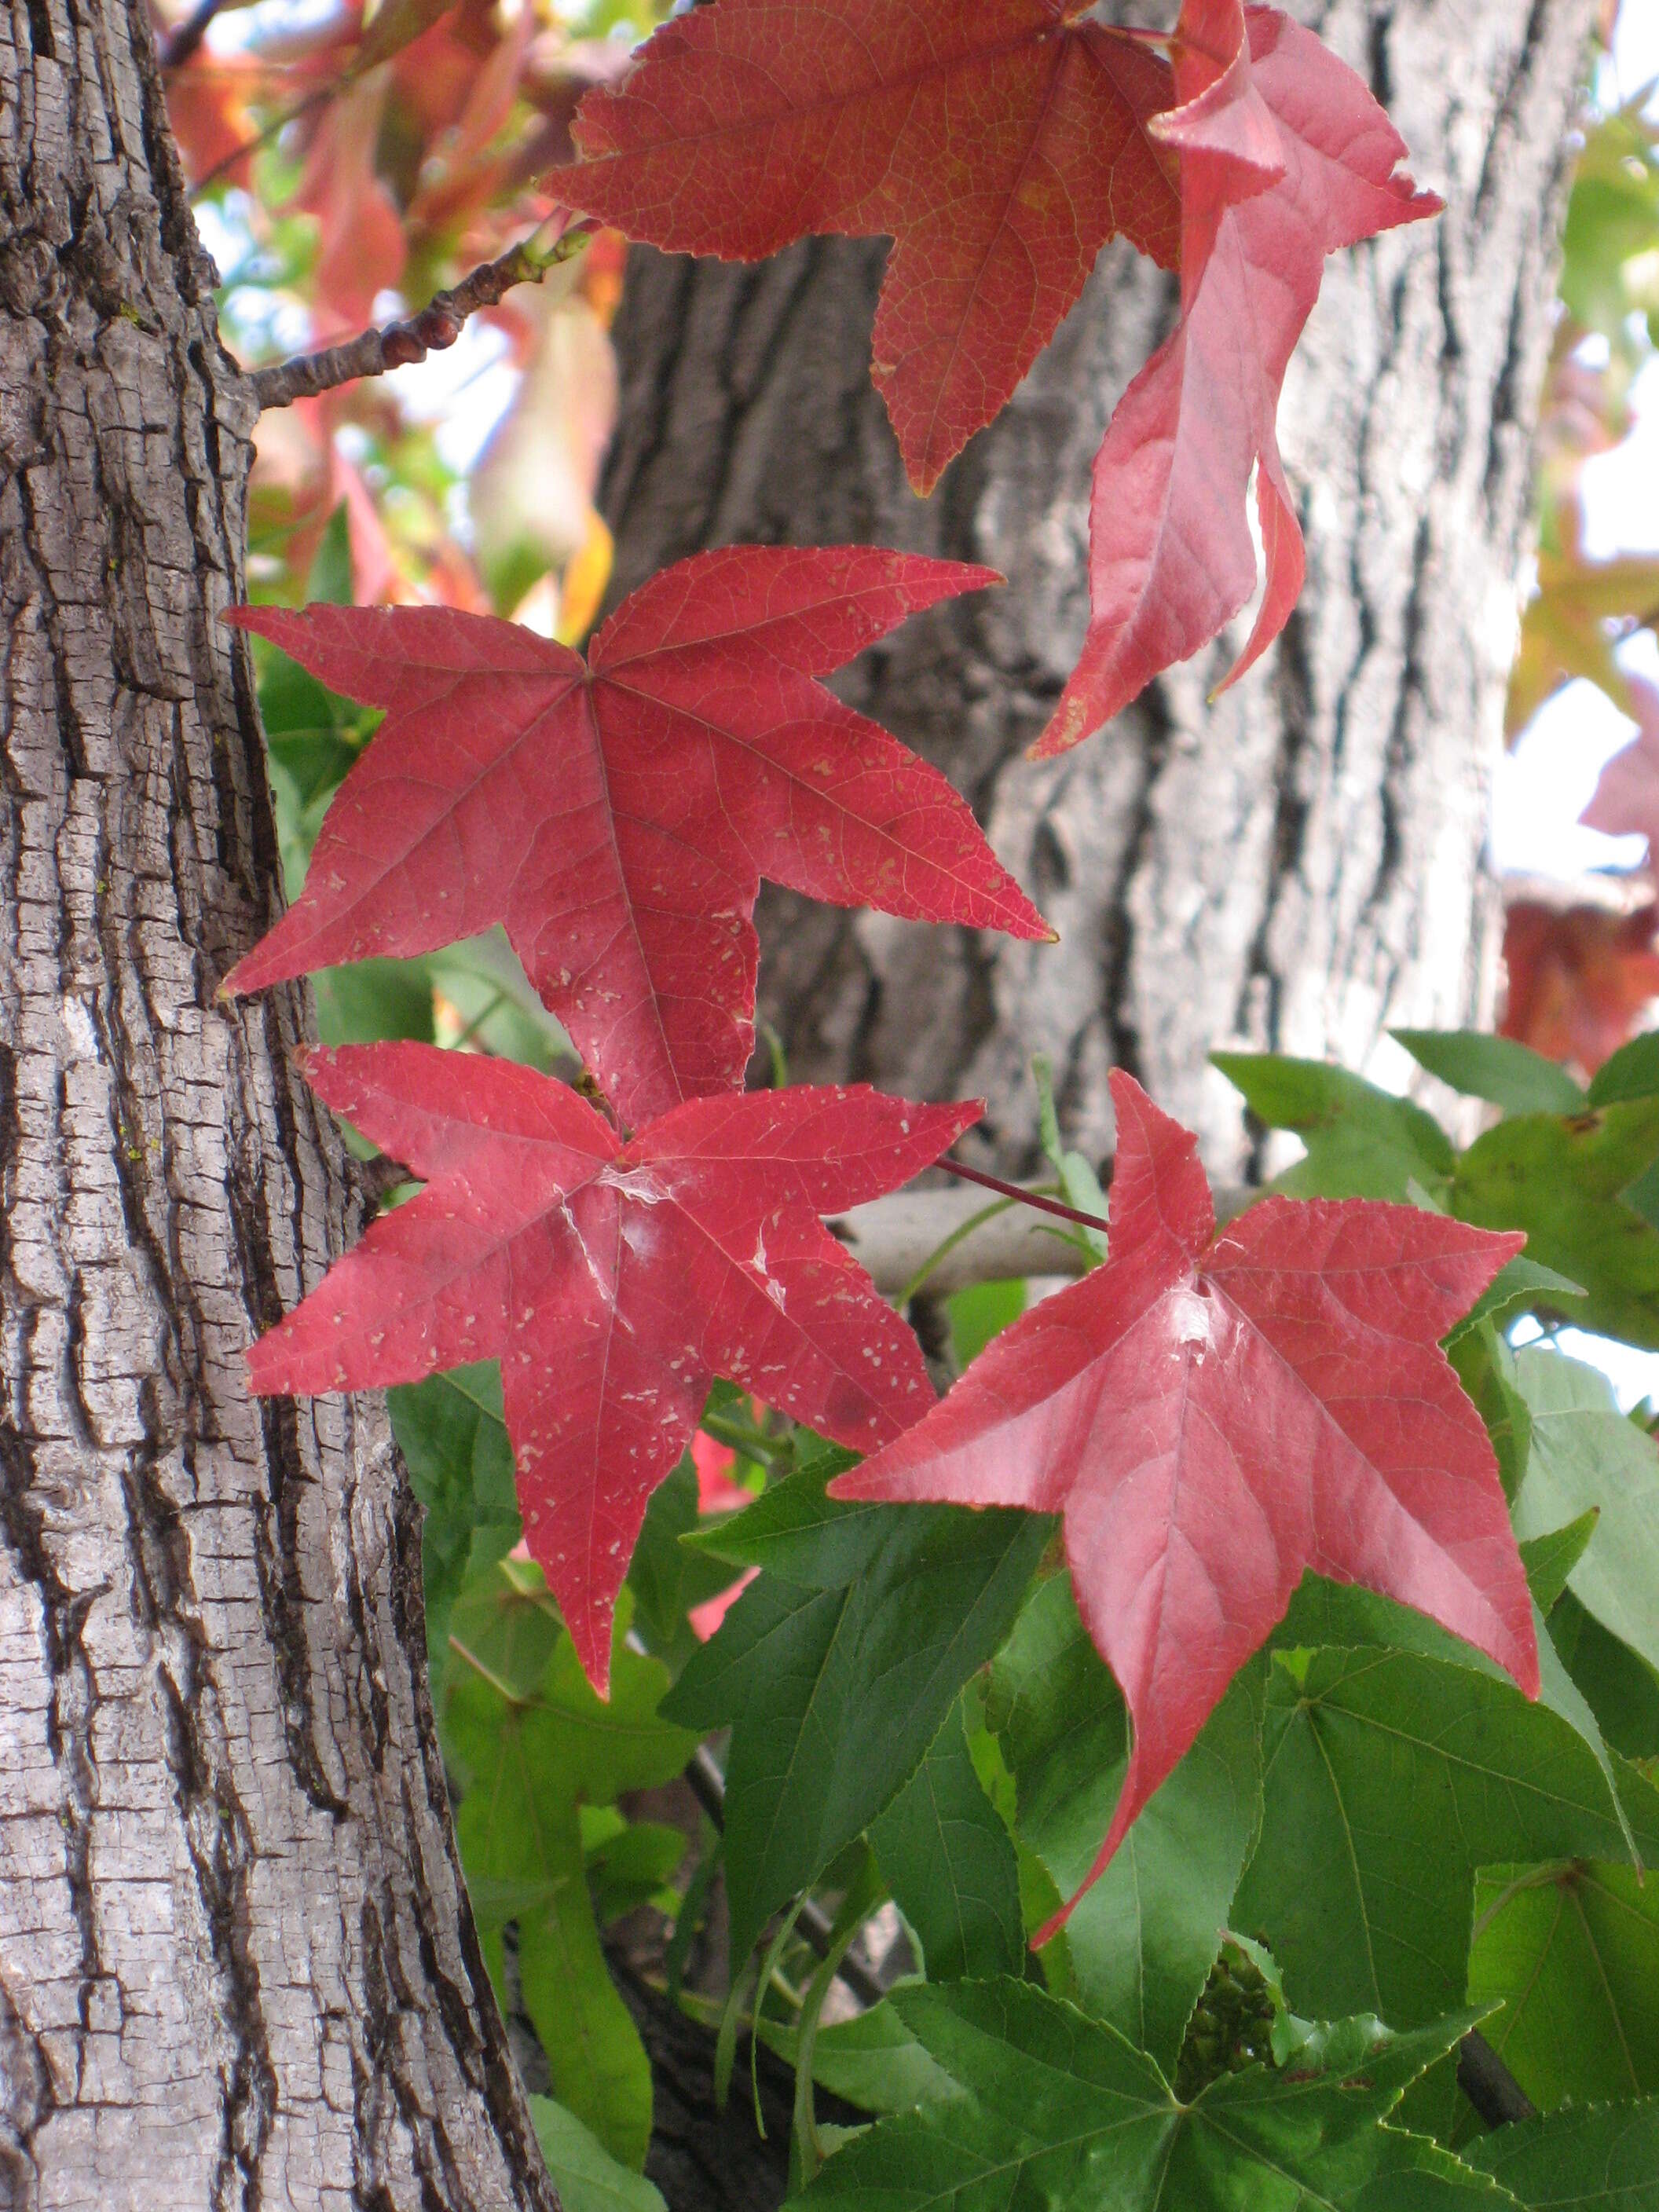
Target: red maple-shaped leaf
(1285,158)
(617,815)
(999,142)
(613,1281)
(1213,1415)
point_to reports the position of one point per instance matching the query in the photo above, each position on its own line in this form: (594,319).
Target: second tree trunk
(1299,867)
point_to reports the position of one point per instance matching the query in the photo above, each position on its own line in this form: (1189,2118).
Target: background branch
(895,1238)
(183,40)
(439,323)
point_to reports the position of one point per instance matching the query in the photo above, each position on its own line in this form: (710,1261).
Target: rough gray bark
(236,1968)
(1296,868)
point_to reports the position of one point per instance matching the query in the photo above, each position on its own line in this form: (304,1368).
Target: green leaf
(1389,1778)
(1049,2108)
(1611,217)
(1586,1456)
(1571,1953)
(1495,1068)
(871,2060)
(453,1441)
(667,1577)
(1141,1943)
(595,2060)
(586,2177)
(1361,1142)
(1485,1368)
(483,980)
(1550,1560)
(979,1313)
(504,1626)
(330,578)
(374,1002)
(949,1864)
(1521,1285)
(1619,1688)
(1324,1612)
(1417,2175)
(530,1761)
(1560,1178)
(632,1866)
(834,1693)
(1079,1182)
(1605,2160)
(795,1530)
(1632,1072)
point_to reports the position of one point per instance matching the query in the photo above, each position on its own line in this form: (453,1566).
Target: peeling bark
(1296,868)
(236,1968)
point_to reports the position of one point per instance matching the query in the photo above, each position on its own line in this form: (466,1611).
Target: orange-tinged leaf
(1213,1416)
(1580,978)
(362,249)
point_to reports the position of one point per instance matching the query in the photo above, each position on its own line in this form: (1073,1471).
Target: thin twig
(438,325)
(183,40)
(1021,1196)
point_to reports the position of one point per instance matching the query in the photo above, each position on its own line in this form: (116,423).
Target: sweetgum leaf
(1361,1142)
(1001,142)
(1389,1779)
(871,2060)
(530,1762)
(1213,1416)
(836,1682)
(587,2177)
(453,1440)
(1595,2160)
(1415,2175)
(1286,158)
(1587,1456)
(612,1281)
(1551,1557)
(1051,2108)
(1505,1073)
(617,815)
(1577,1942)
(1141,1943)
(1000,145)
(1621,1688)
(1631,1072)
(1564,1178)
(949,1863)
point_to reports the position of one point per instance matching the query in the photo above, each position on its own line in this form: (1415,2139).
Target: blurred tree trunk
(1300,866)
(236,1966)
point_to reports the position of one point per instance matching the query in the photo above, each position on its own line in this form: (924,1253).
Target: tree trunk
(236,1966)
(1299,867)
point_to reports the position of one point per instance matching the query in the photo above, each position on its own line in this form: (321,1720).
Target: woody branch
(438,325)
